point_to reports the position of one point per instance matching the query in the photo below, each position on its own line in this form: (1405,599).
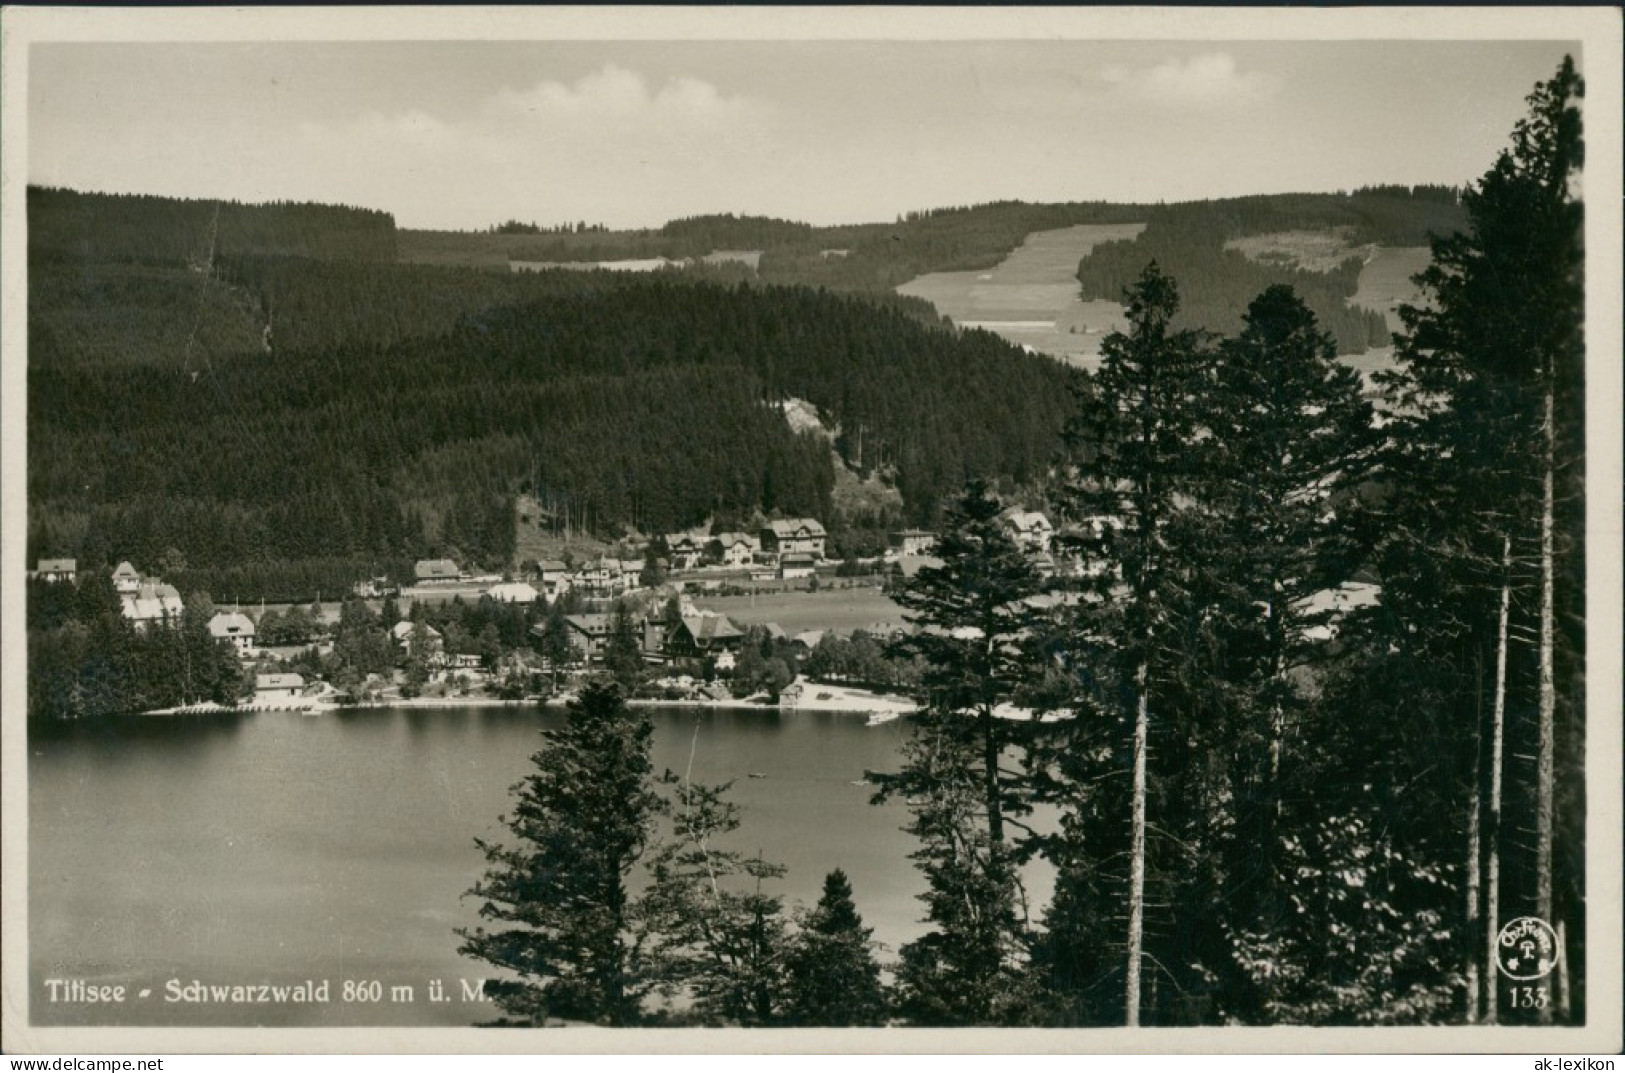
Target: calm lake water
(277,848)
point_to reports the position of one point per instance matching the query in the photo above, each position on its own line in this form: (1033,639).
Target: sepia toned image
(557,529)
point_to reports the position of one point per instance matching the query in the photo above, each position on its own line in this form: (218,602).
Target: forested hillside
(267,396)
(272,425)
(70,226)
(1189,241)
(874,257)
(121,279)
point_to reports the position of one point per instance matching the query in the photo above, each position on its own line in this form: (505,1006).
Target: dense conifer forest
(287,424)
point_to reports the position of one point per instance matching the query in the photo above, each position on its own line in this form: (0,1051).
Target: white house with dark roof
(555,578)
(437,572)
(684,550)
(795,536)
(589,633)
(57,570)
(270,689)
(233,626)
(125,578)
(603,575)
(911,541)
(796,564)
(738,549)
(1029,528)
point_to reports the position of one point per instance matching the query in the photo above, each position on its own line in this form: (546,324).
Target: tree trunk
(1548,692)
(1136,874)
(1492,833)
(990,779)
(1474,850)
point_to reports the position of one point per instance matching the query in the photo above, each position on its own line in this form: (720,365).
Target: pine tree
(1134,473)
(712,933)
(974,620)
(558,895)
(965,773)
(970,969)
(417,660)
(623,653)
(555,641)
(1488,472)
(833,978)
(1290,439)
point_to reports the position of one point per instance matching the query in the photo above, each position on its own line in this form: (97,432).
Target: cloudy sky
(462,135)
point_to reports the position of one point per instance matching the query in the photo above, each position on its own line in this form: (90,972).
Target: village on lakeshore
(693,613)
(560,621)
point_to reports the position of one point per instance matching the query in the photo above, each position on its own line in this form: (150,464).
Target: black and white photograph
(558,529)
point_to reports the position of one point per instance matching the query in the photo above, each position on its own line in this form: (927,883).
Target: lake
(276,848)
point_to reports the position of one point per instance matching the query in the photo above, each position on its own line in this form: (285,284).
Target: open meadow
(1031,298)
(1385,281)
(797,611)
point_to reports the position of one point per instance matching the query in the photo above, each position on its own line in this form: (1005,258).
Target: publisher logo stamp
(1526,949)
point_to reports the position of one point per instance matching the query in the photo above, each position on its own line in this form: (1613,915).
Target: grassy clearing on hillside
(1313,251)
(829,609)
(1385,281)
(1035,287)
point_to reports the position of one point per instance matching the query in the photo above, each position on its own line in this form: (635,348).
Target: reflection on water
(276,848)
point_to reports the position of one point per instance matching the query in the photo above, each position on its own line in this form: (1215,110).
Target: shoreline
(323,707)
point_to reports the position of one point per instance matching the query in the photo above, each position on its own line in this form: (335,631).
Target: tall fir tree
(970,969)
(1133,473)
(623,654)
(713,934)
(1290,440)
(557,897)
(1488,479)
(975,617)
(833,978)
(965,773)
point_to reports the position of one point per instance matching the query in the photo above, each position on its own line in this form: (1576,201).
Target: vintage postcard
(871,530)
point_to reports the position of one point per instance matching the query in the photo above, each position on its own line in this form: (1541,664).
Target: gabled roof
(1027,521)
(125,570)
(796,527)
(591,624)
(403,629)
(439,569)
(728,540)
(706,628)
(553,566)
(153,600)
(231,624)
(58,566)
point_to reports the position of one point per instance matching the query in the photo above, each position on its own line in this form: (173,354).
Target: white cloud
(608,144)
(1211,79)
(619,99)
